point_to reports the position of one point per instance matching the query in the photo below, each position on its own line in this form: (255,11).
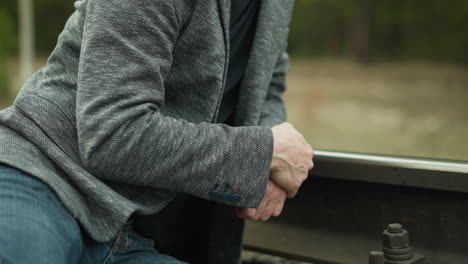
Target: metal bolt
(395,228)
(396,248)
(376,257)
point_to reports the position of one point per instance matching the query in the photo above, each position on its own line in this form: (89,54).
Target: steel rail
(438,174)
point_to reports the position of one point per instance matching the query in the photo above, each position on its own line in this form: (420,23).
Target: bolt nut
(395,237)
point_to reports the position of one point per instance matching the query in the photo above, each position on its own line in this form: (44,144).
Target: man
(143,106)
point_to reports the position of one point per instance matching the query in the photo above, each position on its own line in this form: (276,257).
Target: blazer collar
(224,7)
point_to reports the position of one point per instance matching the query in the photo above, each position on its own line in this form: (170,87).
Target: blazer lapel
(224,9)
(268,41)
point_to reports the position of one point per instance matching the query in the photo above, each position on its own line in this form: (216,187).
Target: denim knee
(35,227)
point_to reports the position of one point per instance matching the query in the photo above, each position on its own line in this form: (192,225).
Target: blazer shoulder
(285,9)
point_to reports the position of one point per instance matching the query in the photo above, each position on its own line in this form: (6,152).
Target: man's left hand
(271,205)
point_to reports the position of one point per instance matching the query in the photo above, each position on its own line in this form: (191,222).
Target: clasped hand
(290,165)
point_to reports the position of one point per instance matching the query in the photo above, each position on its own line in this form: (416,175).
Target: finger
(303,176)
(261,208)
(249,213)
(275,196)
(265,200)
(268,210)
(278,208)
(313,151)
(241,212)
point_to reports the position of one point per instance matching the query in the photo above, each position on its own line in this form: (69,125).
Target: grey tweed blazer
(121,118)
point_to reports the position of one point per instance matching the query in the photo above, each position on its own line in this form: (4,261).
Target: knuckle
(265,218)
(300,179)
(252,217)
(273,193)
(297,184)
(250,214)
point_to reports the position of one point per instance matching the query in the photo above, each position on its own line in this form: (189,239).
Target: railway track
(340,212)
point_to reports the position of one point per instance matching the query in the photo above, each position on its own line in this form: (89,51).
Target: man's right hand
(292,158)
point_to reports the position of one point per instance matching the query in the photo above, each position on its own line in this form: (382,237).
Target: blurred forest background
(385,76)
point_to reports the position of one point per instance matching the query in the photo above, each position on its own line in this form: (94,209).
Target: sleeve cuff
(244,177)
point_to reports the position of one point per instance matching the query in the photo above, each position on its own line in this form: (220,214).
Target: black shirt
(242,27)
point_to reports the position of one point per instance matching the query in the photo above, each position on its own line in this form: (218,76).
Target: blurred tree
(51,16)
(388,29)
(362,48)
(7,32)
(7,45)
(9,10)
(384,29)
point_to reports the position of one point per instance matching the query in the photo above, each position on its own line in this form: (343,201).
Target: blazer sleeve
(123,137)
(273,111)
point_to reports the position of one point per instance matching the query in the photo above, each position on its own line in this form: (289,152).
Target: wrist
(274,161)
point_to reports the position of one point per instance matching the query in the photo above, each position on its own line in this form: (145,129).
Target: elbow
(98,152)
(95,159)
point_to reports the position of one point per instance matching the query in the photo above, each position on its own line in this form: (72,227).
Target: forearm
(154,150)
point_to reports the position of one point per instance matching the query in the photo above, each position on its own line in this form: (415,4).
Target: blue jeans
(36,228)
